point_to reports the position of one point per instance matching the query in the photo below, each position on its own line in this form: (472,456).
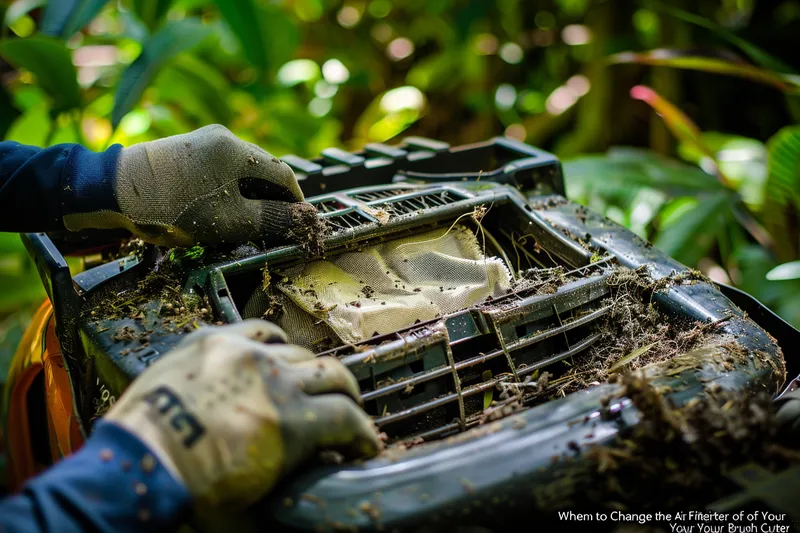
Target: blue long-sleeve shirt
(114,482)
(39,186)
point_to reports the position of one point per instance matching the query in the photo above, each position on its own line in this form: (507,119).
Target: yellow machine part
(37,376)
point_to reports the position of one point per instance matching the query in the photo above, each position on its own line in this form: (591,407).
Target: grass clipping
(681,457)
(158,293)
(634,333)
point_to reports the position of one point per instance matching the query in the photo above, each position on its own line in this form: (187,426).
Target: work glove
(186,189)
(229,415)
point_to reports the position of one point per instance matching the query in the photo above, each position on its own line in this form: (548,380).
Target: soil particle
(371,510)
(130,247)
(548,202)
(677,457)
(308,229)
(368,291)
(633,334)
(177,308)
(634,328)
(274,308)
(124,334)
(313,499)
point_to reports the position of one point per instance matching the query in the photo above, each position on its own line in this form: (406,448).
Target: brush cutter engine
(484,315)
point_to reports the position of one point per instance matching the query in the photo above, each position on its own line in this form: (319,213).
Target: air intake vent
(405,206)
(329,205)
(346,220)
(378,195)
(449,369)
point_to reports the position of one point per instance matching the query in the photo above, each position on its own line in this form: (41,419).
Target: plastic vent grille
(346,221)
(405,206)
(329,206)
(439,386)
(378,195)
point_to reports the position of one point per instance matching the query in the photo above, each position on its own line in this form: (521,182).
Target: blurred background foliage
(676,119)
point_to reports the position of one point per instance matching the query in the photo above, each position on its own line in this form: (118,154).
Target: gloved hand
(185,189)
(230,415)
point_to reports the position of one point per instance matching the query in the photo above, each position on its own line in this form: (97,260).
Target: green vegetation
(680,120)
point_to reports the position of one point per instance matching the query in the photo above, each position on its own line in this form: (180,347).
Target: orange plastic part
(39,352)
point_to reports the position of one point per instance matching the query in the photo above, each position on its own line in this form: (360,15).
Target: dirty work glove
(185,189)
(230,415)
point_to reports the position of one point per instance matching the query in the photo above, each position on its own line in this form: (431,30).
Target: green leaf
(782,190)
(440,71)
(691,236)
(790,270)
(132,27)
(8,111)
(298,71)
(51,62)
(197,88)
(151,12)
(19,280)
(171,40)
(267,35)
(32,127)
(755,53)
(754,262)
(687,132)
(684,60)
(680,125)
(783,180)
(241,16)
(63,18)
(12,329)
(10,243)
(675,209)
(17,290)
(488,394)
(742,160)
(19,9)
(290,126)
(630,358)
(623,168)
(390,113)
(179,255)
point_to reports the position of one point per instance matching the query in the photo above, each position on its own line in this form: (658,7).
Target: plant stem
(51,132)
(77,123)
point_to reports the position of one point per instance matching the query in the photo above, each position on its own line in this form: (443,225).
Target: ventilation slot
(346,221)
(378,195)
(329,206)
(436,388)
(405,206)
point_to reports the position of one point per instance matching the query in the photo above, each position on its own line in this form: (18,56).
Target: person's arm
(39,185)
(210,428)
(207,186)
(112,484)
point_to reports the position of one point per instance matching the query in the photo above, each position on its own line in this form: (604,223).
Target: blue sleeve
(113,483)
(38,186)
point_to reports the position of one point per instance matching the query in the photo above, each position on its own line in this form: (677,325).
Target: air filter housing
(476,399)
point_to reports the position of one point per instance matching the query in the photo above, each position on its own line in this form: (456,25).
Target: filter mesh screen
(390,286)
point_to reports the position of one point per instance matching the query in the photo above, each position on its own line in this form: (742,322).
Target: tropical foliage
(687,114)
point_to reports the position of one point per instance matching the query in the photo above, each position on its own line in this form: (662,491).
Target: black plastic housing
(477,476)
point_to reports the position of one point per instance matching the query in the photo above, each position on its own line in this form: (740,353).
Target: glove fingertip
(261,331)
